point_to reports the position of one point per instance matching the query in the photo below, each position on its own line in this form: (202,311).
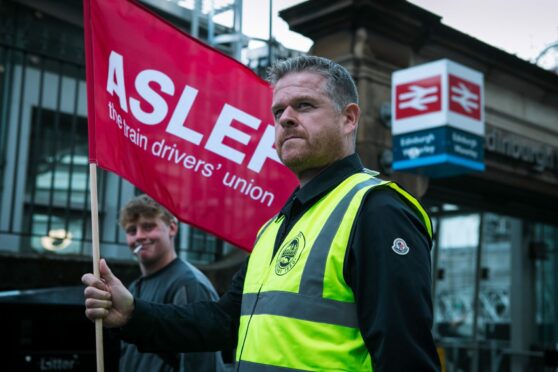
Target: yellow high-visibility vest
(298,313)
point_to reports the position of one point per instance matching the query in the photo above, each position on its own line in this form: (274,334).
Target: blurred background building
(495,256)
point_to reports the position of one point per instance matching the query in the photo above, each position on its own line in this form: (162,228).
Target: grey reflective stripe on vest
(312,282)
(309,304)
(244,366)
(293,305)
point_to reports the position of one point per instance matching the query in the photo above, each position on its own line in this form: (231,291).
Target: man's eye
(148,226)
(131,231)
(277,114)
(304,105)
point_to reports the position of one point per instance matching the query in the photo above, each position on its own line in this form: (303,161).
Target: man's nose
(288,117)
(140,233)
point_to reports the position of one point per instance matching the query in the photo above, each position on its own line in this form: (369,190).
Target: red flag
(186,124)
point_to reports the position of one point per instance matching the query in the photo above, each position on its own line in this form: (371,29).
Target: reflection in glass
(457,242)
(546,271)
(495,278)
(58,239)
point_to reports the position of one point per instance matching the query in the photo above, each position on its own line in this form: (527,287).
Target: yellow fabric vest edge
(297,311)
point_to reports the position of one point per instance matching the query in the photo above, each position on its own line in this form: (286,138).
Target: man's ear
(173,229)
(351,113)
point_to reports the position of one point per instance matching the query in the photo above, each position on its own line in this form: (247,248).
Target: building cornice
(416,28)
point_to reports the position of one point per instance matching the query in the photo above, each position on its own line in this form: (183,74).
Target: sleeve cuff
(134,330)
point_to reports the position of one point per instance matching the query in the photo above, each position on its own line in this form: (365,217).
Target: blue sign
(438,152)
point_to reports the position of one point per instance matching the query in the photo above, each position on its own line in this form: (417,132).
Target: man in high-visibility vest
(339,280)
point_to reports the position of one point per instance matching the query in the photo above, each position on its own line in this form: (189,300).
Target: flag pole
(96,257)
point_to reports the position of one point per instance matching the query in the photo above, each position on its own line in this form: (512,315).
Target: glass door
(471,287)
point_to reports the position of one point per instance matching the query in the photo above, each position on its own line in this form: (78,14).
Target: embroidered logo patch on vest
(400,246)
(289,254)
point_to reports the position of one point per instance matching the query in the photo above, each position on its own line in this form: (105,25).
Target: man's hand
(107,298)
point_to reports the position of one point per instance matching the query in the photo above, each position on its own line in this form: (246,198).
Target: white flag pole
(96,258)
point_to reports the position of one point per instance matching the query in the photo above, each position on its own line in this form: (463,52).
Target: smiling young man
(150,231)
(339,280)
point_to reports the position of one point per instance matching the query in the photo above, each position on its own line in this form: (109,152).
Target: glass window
(544,250)
(457,243)
(477,256)
(59,163)
(64,235)
(203,248)
(458,249)
(56,202)
(495,278)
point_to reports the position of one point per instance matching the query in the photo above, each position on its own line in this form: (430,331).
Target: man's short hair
(144,206)
(340,85)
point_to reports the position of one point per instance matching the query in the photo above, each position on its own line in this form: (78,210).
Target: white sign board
(435,94)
